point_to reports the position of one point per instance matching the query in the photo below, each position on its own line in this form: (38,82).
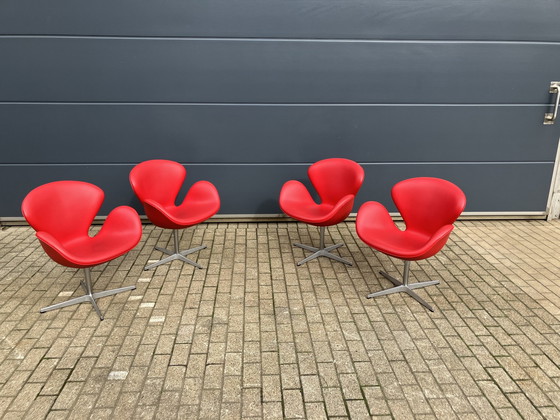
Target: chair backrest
(334,178)
(426,204)
(158,180)
(64,209)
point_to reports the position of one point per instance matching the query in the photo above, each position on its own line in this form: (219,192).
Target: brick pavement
(254,336)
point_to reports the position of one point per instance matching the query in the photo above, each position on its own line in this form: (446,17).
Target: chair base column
(405,287)
(322,251)
(176,254)
(89,296)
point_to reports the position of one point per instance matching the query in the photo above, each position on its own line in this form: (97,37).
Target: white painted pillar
(553,207)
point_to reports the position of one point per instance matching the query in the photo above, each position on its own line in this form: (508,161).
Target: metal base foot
(322,251)
(89,296)
(405,287)
(176,254)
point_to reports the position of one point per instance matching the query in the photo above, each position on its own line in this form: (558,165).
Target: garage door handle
(550,117)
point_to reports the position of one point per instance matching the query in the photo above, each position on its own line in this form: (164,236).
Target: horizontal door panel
(244,71)
(41,133)
(534,20)
(254,189)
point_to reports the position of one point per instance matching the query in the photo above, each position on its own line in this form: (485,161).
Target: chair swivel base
(322,251)
(176,254)
(89,296)
(405,287)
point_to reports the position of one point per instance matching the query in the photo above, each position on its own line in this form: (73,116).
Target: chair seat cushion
(376,228)
(119,234)
(99,249)
(403,245)
(178,217)
(201,202)
(296,202)
(310,213)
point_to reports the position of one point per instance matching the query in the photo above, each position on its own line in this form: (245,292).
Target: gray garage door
(248,93)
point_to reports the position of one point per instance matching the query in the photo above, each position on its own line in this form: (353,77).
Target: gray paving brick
(255,336)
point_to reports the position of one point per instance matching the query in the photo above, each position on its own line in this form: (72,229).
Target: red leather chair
(428,206)
(62,212)
(156,183)
(337,181)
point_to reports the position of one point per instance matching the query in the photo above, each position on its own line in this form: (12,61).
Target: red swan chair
(61,213)
(156,183)
(337,181)
(429,206)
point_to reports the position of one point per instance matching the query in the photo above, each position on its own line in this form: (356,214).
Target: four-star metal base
(404,286)
(176,254)
(89,296)
(322,251)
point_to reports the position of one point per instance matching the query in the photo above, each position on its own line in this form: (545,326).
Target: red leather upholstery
(156,183)
(62,212)
(337,182)
(429,206)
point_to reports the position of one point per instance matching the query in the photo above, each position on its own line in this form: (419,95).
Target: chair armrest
(202,192)
(123,221)
(293,193)
(156,213)
(374,216)
(341,210)
(436,242)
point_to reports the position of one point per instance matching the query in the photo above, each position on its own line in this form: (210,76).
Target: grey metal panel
(379,19)
(164,70)
(43,133)
(254,189)
(200,55)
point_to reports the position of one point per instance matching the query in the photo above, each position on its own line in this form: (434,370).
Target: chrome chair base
(89,296)
(322,251)
(176,254)
(405,287)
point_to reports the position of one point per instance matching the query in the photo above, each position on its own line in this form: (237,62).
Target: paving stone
(334,402)
(252,404)
(293,403)
(273,410)
(311,386)
(253,335)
